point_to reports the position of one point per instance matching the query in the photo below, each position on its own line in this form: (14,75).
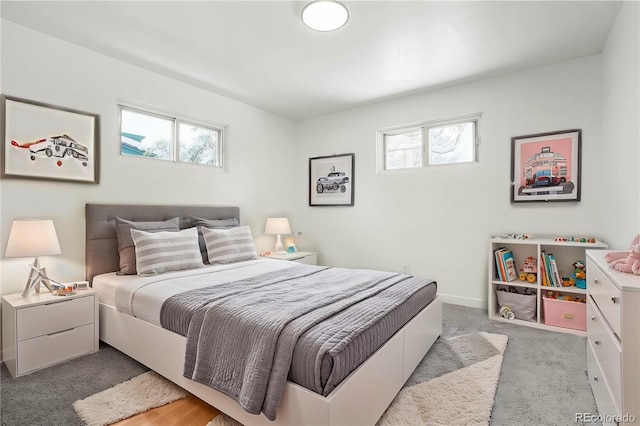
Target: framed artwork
(546,166)
(331,180)
(42,141)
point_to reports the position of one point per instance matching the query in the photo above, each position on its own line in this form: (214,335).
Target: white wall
(621,126)
(438,220)
(45,69)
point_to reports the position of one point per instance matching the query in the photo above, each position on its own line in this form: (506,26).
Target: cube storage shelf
(565,253)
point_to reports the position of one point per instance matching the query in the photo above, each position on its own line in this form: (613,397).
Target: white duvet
(143,296)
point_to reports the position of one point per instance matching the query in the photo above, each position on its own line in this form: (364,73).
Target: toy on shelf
(559,296)
(515,236)
(576,239)
(529,270)
(580,274)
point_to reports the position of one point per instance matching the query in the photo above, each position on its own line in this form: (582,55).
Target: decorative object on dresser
(306,257)
(42,141)
(33,238)
(557,303)
(626,261)
(331,180)
(613,348)
(546,166)
(44,329)
(277,226)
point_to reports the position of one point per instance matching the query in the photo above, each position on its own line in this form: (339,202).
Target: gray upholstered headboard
(101,249)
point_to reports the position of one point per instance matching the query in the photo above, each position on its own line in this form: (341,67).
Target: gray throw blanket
(241,335)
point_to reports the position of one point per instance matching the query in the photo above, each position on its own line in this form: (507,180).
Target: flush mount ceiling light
(325,15)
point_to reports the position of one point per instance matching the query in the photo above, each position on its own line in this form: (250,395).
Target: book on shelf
(500,272)
(506,269)
(543,270)
(509,263)
(549,270)
(556,273)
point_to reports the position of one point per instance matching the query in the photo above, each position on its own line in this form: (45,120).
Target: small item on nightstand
(67,291)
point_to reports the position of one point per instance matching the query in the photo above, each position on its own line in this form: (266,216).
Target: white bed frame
(360,399)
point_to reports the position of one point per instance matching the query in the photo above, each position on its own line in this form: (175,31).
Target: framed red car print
(546,166)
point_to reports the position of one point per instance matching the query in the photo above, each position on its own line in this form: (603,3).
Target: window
(165,136)
(430,143)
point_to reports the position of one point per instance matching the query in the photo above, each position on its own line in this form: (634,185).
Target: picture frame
(546,166)
(44,141)
(331,180)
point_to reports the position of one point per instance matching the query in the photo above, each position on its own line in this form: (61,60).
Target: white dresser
(44,329)
(613,340)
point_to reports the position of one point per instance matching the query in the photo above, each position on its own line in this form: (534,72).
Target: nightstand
(44,329)
(305,257)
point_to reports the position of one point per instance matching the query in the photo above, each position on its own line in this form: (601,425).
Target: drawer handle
(597,342)
(593,318)
(595,281)
(614,299)
(595,378)
(60,332)
(59,303)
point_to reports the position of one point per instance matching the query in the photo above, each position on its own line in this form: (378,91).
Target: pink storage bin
(564,313)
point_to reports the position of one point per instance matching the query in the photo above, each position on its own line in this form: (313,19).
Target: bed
(359,398)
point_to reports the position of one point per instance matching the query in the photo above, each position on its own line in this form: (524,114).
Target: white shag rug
(140,394)
(454,384)
(459,396)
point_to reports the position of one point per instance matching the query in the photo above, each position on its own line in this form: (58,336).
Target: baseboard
(464,301)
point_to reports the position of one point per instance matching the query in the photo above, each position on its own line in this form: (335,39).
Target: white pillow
(158,252)
(229,245)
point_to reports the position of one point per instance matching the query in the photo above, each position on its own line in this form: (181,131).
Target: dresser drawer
(58,315)
(47,350)
(606,295)
(606,350)
(601,391)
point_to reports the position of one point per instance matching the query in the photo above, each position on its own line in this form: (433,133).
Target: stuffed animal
(579,271)
(626,261)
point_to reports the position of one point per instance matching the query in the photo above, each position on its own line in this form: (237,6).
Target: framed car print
(42,141)
(546,166)
(331,180)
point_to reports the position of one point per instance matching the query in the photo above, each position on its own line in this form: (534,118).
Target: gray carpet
(45,398)
(543,379)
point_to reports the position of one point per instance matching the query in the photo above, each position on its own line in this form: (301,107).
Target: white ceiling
(259,52)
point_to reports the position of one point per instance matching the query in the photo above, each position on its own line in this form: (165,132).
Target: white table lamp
(278,226)
(33,238)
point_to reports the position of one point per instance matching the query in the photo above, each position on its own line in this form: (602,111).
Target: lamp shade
(32,238)
(277,226)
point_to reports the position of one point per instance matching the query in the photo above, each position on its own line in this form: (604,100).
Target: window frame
(424,127)
(176,120)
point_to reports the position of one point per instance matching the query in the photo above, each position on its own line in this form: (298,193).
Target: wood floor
(189,411)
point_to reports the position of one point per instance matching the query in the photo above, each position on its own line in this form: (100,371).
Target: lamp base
(279,248)
(37,276)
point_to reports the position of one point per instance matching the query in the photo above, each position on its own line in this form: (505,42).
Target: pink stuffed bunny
(626,261)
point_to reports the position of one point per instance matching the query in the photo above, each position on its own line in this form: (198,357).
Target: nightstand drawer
(50,349)
(606,350)
(56,316)
(607,297)
(307,260)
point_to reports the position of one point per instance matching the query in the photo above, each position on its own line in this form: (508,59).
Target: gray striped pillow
(229,245)
(158,252)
